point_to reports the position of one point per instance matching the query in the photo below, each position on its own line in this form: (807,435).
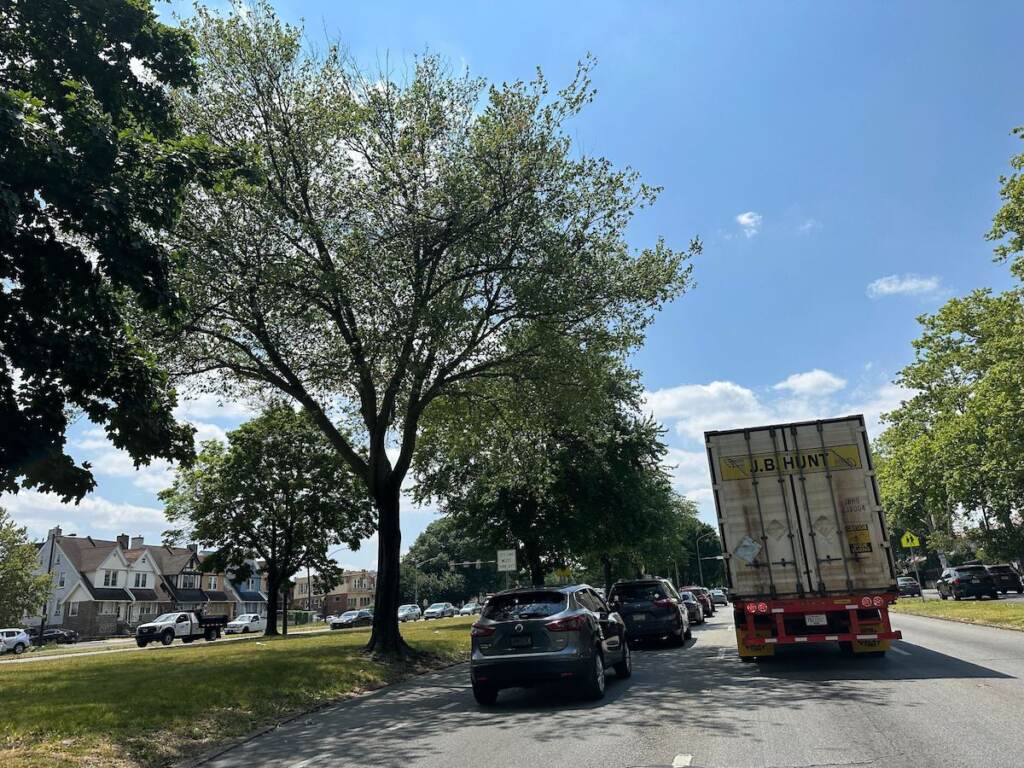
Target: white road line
(394,727)
(900,651)
(682,761)
(304,763)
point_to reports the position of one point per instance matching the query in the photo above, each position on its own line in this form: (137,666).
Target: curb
(960,621)
(354,698)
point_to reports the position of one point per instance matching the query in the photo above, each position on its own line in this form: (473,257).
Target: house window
(141,580)
(106,578)
(189,581)
(56,608)
(60,579)
(72,609)
(108,608)
(212,584)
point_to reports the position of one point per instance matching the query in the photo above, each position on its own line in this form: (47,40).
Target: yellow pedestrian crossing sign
(910,540)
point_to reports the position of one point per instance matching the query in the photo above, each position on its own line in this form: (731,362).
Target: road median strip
(142,710)
(990,613)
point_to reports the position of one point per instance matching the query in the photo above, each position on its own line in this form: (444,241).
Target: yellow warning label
(859,538)
(834,457)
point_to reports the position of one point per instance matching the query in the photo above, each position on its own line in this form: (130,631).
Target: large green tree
(21,589)
(91,174)
(441,543)
(401,238)
(278,493)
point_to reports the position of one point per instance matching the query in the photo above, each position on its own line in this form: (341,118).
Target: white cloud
(95,515)
(904,285)
(207,431)
(699,407)
(200,406)
(750,222)
(808,226)
(812,383)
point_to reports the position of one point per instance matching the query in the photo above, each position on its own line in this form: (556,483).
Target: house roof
(190,595)
(172,560)
(251,597)
(149,595)
(217,596)
(85,552)
(107,593)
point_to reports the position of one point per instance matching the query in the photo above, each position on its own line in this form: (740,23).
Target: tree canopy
(277,493)
(91,175)
(396,241)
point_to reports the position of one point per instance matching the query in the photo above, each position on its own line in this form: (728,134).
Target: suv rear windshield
(525,605)
(972,570)
(906,580)
(1002,569)
(638,593)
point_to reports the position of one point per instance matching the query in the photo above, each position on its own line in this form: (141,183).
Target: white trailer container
(803,533)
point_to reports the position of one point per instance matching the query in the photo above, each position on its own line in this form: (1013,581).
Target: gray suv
(535,635)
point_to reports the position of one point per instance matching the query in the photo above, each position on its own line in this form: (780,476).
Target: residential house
(356,589)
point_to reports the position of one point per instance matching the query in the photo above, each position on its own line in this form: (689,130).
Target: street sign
(909,540)
(506,560)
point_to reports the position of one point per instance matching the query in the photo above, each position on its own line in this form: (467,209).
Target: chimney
(136,542)
(122,540)
(194,548)
(55,532)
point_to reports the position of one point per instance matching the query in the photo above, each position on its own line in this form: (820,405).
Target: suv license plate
(975,581)
(640,617)
(521,642)
(816,619)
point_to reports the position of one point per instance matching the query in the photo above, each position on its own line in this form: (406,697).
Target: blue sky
(840,162)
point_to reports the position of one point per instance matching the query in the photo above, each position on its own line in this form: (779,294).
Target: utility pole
(700,568)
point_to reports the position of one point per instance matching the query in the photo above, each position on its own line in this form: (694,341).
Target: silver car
(534,635)
(409,612)
(439,611)
(470,609)
(14,640)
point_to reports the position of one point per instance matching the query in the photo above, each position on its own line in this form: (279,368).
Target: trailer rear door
(799,510)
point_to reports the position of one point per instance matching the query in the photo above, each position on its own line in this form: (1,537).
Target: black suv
(966,581)
(537,634)
(651,608)
(1005,578)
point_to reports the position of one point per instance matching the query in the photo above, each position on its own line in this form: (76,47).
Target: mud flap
(871,646)
(752,651)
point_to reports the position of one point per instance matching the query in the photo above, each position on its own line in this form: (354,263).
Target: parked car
(1005,578)
(349,619)
(409,612)
(704,596)
(693,607)
(718,597)
(908,586)
(966,581)
(186,626)
(534,635)
(57,635)
(14,640)
(651,608)
(439,611)
(245,623)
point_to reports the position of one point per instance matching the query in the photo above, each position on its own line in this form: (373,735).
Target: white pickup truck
(182,625)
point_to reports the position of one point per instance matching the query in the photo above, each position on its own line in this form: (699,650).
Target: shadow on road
(669,684)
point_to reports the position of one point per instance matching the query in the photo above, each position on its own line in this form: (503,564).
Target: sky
(840,162)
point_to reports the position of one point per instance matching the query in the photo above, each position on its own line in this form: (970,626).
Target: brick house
(356,589)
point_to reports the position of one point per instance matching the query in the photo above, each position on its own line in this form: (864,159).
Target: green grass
(989,612)
(126,710)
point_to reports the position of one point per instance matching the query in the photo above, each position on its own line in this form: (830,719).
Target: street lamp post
(700,568)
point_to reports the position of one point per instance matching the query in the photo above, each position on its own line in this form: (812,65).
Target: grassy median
(992,613)
(152,708)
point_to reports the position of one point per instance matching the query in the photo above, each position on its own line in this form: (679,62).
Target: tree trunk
(271,629)
(386,640)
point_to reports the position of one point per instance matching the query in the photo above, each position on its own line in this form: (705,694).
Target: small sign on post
(506,560)
(909,541)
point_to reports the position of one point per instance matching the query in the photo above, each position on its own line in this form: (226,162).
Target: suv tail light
(571,624)
(479,630)
(664,602)
(957,582)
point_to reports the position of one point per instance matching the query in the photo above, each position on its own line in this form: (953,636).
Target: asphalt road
(948,695)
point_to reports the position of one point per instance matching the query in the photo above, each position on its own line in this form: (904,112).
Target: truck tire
(141,643)
(19,648)
(245,630)
(593,683)
(167,637)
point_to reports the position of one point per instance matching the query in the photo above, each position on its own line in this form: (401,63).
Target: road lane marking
(304,763)
(900,651)
(682,761)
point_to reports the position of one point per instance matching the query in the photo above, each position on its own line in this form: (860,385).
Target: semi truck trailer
(804,538)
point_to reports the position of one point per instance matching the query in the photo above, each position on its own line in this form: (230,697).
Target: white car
(470,609)
(439,611)
(245,623)
(14,640)
(409,612)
